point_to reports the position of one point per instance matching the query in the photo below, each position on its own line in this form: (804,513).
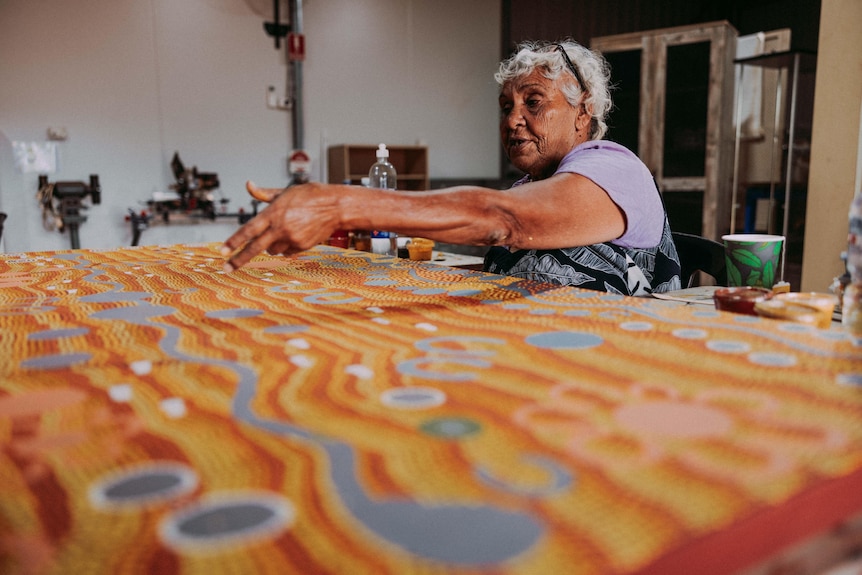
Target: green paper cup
(752,259)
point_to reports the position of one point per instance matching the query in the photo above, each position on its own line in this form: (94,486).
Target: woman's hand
(297,219)
(263,194)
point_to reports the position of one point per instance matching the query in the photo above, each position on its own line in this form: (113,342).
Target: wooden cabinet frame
(352,162)
(718,161)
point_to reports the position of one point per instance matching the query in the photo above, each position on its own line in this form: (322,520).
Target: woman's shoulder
(593,148)
(601,156)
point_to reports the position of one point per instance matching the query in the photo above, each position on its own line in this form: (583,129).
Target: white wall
(400,72)
(133,81)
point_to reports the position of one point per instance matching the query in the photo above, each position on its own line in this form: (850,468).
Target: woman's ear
(585,116)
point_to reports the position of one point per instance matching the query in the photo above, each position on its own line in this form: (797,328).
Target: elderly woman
(587,212)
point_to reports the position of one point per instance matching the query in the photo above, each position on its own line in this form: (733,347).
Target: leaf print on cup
(746,258)
(752,259)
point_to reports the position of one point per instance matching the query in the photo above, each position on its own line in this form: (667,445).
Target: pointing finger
(251,249)
(252,229)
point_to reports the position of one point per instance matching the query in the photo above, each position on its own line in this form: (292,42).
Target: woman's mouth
(517,144)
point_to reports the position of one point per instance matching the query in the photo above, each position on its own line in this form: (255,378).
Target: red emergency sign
(295,47)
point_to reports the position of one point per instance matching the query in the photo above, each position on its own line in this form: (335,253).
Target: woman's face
(538,126)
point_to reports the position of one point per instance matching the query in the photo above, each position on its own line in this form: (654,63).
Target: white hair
(591,65)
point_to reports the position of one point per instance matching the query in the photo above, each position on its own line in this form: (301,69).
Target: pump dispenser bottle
(382,175)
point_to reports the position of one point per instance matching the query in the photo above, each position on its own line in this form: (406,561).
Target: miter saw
(192,197)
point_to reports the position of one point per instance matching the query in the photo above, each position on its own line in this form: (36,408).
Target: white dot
(301,361)
(299,343)
(724,346)
(636,326)
(173,407)
(360,371)
(141,367)
(121,393)
(413,397)
(772,359)
(689,333)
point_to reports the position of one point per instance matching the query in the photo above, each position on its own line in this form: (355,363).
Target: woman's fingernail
(228,267)
(225,251)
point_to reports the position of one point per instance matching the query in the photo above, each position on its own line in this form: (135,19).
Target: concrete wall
(133,81)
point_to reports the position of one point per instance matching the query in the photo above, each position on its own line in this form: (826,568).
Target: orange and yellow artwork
(346,412)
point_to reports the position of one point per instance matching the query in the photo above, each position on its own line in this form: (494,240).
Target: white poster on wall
(38,157)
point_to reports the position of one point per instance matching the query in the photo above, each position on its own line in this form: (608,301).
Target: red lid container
(339,239)
(740,299)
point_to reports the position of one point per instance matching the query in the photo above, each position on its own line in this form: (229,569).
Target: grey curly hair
(591,65)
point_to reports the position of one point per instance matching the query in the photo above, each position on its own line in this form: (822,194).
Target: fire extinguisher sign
(295,47)
(299,162)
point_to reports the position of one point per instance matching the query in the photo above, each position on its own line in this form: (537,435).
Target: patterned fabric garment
(603,267)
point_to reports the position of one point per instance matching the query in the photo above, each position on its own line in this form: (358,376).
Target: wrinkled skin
(538,126)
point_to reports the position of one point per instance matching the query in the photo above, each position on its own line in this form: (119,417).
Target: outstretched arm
(563,211)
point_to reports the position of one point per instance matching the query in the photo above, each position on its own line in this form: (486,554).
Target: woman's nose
(513,118)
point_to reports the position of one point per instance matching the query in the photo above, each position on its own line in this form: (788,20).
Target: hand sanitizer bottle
(382,175)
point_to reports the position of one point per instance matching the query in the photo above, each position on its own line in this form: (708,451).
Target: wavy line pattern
(345,412)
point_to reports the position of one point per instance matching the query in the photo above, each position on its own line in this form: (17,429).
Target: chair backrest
(697,253)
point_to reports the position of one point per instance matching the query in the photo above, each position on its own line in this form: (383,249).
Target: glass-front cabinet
(673,105)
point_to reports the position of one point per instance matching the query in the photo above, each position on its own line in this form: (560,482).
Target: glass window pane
(686,110)
(626,81)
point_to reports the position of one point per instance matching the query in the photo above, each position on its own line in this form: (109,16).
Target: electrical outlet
(58,134)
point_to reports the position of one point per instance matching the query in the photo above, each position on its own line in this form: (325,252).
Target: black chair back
(697,253)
